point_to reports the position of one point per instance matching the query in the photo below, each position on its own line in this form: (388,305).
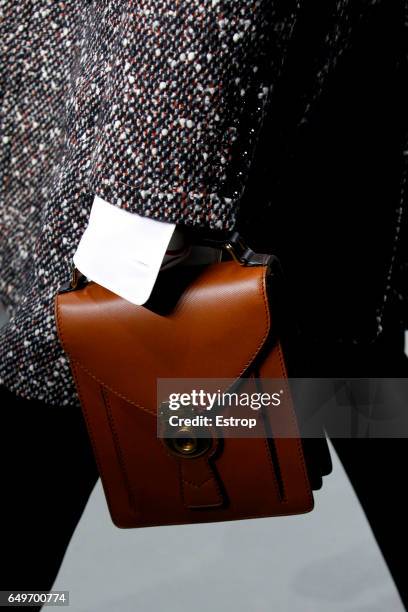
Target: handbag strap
(234,245)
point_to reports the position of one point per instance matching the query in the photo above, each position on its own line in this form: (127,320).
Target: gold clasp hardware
(232,250)
(184,443)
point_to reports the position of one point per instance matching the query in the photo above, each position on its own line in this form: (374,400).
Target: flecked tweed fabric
(155,105)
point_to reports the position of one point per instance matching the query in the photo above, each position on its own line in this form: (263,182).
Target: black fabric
(47,472)
(327,186)
(376,469)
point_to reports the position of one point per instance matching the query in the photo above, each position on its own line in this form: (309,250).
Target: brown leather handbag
(212,321)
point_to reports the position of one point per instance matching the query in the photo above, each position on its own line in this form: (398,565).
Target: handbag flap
(214,327)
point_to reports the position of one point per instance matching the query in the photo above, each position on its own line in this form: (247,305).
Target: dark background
(325,186)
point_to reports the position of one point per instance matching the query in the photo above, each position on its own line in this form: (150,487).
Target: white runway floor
(326,561)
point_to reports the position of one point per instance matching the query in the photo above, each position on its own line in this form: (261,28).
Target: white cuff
(122,251)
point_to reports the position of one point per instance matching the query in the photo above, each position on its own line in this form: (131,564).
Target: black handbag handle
(233,244)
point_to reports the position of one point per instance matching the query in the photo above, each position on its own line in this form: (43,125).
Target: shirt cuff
(123,251)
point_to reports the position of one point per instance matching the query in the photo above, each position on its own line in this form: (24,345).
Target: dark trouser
(376,469)
(48,472)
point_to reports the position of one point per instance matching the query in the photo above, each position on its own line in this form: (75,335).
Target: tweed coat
(198,112)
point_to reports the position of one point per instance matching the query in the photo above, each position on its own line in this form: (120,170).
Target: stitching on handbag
(86,417)
(294,423)
(212,477)
(84,409)
(183,495)
(85,369)
(262,287)
(195,485)
(121,395)
(119,452)
(271,465)
(90,430)
(183,481)
(91,436)
(266,445)
(281,494)
(214,473)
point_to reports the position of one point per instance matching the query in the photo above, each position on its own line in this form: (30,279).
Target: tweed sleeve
(187,84)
